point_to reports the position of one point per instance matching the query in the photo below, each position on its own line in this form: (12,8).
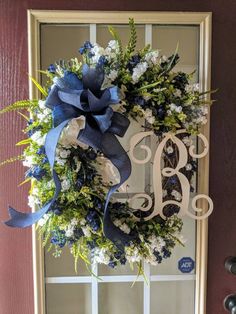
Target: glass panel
(64,265)
(68,299)
(172,297)
(116,298)
(104,270)
(63,42)
(103,35)
(186,37)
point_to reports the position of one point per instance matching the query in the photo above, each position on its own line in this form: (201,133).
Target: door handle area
(230,303)
(230,265)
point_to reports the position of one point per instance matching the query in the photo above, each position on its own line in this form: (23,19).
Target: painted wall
(16,286)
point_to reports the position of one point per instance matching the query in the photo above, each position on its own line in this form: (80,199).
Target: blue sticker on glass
(186,265)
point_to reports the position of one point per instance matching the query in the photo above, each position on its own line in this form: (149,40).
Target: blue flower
(112,264)
(86,46)
(158,256)
(58,238)
(102,60)
(52,68)
(93,220)
(37,173)
(134,60)
(41,151)
(166,253)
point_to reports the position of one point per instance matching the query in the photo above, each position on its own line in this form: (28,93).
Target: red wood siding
(16,286)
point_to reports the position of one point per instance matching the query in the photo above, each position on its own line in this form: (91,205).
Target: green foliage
(19,105)
(130,49)
(11,160)
(40,87)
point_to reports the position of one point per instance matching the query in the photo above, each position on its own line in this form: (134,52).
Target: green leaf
(24,142)
(24,116)
(40,87)
(25,181)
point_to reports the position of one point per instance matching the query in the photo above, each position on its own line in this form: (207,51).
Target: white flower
(156,243)
(33,201)
(28,161)
(187,141)
(164,58)
(175,108)
(152,57)
(69,232)
(132,254)
(65,185)
(189,167)
(169,150)
(74,221)
(112,75)
(38,138)
(176,195)
(125,228)
(60,162)
(86,230)
(148,116)
(43,220)
(177,93)
(139,70)
(113,44)
(64,153)
(101,256)
(41,104)
(192,88)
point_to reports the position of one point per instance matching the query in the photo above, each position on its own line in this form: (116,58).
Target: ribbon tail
(113,150)
(23,220)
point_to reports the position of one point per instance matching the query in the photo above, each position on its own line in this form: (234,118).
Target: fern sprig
(11,160)
(19,105)
(132,40)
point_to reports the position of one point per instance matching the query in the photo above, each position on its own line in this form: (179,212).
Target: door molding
(204,21)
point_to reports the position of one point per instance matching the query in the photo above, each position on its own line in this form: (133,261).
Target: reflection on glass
(64,265)
(172,297)
(103,35)
(68,299)
(116,298)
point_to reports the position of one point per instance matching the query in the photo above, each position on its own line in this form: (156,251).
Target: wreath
(73,136)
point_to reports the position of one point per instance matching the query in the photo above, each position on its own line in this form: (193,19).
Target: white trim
(93,33)
(123,278)
(147,290)
(148,34)
(94,293)
(203,19)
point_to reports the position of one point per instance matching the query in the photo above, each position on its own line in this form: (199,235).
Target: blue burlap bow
(70,98)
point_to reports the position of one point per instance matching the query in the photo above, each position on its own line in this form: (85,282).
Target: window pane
(117,298)
(68,299)
(172,297)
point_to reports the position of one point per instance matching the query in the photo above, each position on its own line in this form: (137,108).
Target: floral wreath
(73,132)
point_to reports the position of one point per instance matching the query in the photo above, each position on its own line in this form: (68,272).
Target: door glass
(171,291)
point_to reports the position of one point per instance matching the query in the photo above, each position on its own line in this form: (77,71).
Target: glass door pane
(167,295)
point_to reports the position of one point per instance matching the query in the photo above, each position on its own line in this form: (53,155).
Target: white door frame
(203,20)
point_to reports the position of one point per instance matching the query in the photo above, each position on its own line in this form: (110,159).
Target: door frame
(204,21)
